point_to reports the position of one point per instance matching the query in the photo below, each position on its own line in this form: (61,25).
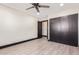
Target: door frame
(47,28)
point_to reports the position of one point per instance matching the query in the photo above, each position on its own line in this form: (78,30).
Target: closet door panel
(64,29)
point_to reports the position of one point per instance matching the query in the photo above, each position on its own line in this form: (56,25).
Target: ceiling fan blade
(35,4)
(37,9)
(32,3)
(30,8)
(44,6)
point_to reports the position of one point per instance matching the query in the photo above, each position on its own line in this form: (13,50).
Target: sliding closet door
(65,30)
(55,35)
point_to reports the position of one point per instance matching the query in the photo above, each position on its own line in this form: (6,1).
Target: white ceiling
(44,12)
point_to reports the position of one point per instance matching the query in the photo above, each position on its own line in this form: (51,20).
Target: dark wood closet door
(65,30)
(39,29)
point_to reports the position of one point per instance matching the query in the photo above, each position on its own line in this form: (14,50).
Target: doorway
(43,29)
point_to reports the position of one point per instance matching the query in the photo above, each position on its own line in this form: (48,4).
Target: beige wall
(44,28)
(16,26)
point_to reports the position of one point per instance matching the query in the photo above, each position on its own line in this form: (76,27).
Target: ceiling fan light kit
(61,4)
(38,13)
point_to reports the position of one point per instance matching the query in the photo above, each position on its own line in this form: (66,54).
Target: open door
(39,29)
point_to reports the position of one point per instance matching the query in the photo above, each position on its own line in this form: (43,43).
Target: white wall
(78,29)
(44,28)
(16,26)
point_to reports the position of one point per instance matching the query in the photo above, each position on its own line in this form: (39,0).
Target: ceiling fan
(37,6)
